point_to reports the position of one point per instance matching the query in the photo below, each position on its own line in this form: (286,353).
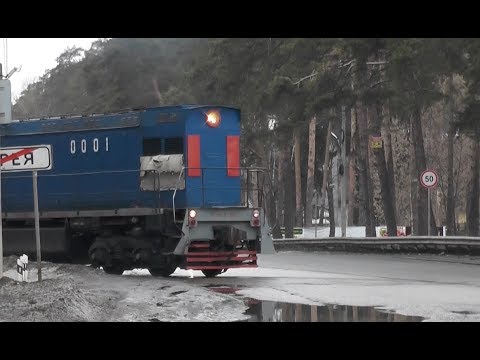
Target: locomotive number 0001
(82,145)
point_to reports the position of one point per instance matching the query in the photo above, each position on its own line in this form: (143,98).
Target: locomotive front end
(226,225)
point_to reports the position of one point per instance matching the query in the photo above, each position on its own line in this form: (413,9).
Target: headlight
(192,213)
(213,118)
(256,213)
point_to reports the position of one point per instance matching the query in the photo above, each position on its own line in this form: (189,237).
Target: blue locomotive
(155,188)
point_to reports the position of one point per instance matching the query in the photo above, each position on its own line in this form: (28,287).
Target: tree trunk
(289,195)
(358,214)
(321,216)
(473,211)
(268,198)
(351,165)
(311,170)
(370,185)
(450,189)
(365,193)
(421,165)
(298,181)
(331,205)
(352,208)
(390,169)
(379,154)
(413,189)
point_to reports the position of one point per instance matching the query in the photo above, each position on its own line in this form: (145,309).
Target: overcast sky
(35,55)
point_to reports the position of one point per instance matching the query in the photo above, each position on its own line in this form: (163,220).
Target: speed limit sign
(429,179)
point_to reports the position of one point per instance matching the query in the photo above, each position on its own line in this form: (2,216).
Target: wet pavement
(435,288)
(276,311)
(270,311)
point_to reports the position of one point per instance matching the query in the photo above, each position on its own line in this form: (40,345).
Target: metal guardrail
(453,244)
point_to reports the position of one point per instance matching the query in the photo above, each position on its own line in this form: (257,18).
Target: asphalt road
(439,288)
(331,286)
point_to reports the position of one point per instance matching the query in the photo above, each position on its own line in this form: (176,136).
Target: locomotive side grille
(162,146)
(152,147)
(173,146)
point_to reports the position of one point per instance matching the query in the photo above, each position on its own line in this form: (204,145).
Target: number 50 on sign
(429,179)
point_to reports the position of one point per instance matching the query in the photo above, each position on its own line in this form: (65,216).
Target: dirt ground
(80,293)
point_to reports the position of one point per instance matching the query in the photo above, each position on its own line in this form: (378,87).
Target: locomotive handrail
(226,168)
(175,193)
(258,189)
(248,192)
(156,179)
(79,173)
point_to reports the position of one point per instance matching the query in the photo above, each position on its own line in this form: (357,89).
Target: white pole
(428,215)
(344,176)
(6,56)
(1,220)
(37,225)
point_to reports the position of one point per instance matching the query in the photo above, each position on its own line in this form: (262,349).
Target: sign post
(429,179)
(37,225)
(29,158)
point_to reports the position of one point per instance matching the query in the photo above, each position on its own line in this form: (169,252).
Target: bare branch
(314,73)
(378,83)
(376,62)
(157,92)
(350,68)
(351,62)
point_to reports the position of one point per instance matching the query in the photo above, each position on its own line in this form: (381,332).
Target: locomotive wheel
(165,272)
(113,269)
(211,273)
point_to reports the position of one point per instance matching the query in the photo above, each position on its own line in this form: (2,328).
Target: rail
(251,184)
(110,183)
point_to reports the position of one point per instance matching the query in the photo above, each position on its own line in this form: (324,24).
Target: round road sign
(429,179)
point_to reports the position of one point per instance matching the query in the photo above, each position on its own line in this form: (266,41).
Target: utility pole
(344,175)
(325,170)
(1,216)
(5,48)
(5,118)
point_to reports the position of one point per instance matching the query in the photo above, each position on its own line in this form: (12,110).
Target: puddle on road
(273,311)
(224,289)
(465,312)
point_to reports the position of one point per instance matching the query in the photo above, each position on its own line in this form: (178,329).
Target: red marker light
(255,220)
(192,222)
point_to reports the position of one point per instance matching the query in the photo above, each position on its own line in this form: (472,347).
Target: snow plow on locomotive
(155,188)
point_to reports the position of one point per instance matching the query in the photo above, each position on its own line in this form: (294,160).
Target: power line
(5,56)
